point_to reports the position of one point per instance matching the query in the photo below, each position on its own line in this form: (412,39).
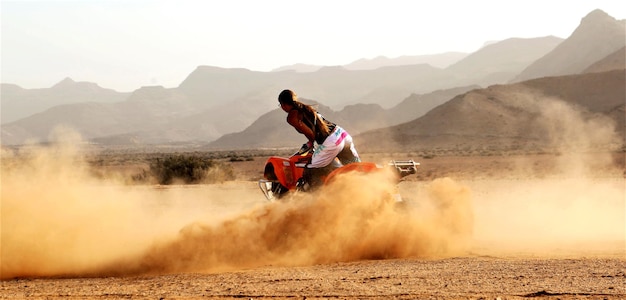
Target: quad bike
(283,174)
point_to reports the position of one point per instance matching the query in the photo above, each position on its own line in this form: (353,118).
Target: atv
(284,174)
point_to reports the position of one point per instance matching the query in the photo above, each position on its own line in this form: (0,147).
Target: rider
(332,140)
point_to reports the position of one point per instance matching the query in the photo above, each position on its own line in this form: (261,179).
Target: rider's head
(287,97)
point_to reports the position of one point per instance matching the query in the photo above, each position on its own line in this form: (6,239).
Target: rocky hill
(19,103)
(615,61)
(598,36)
(502,61)
(441,61)
(585,111)
(491,123)
(214,102)
(270,130)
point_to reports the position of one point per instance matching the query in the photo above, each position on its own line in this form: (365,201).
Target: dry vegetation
(435,163)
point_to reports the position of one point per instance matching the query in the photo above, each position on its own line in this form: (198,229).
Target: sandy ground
(469,228)
(451,278)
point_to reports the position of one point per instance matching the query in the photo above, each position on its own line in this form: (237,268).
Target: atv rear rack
(404,167)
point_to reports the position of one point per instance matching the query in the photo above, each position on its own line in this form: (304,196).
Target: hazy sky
(126,44)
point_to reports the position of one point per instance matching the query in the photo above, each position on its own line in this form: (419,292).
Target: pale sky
(126,44)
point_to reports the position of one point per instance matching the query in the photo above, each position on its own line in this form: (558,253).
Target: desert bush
(237,158)
(189,169)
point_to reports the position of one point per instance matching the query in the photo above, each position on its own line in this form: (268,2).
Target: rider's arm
(295,120)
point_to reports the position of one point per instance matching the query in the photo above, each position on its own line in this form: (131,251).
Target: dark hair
(289,97)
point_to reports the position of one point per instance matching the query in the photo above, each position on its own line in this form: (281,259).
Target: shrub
(189,170)
(237,158)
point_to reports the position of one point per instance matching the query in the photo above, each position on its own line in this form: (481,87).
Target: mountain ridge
(213,102)
(597,36)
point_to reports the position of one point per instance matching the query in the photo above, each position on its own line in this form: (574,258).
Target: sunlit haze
(124,45)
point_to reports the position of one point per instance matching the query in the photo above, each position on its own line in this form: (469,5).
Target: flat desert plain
(469,227)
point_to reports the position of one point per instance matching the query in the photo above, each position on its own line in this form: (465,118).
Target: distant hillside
(499,62)
(416,105)
(209,87)
(19,103)
(567,111)
(213,102)
(597,36)
(298,68)
(436,60)
(271,129)
(442,61)
(615,61)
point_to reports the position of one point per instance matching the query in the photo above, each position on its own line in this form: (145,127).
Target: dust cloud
(58,220)
(550,217)
(574,206)
(344,222)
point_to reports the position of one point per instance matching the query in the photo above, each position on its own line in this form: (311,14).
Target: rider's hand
(306,147)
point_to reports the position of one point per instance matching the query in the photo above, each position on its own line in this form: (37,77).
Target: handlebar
(304,150)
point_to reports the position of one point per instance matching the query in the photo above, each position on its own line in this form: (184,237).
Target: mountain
(338,86)
(271,129)
(436,60)
(18,103)
(615,61)
(585,110)
(441,61)
(149,109)
(210,87)
(597,36)
(417,105)
(213,102)
(500,62)
(298,68)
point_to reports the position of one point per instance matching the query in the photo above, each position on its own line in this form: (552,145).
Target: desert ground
(548,226)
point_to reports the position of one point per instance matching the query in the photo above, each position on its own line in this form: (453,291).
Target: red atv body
(281,174)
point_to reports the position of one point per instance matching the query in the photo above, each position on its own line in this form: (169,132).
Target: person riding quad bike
(334,144)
